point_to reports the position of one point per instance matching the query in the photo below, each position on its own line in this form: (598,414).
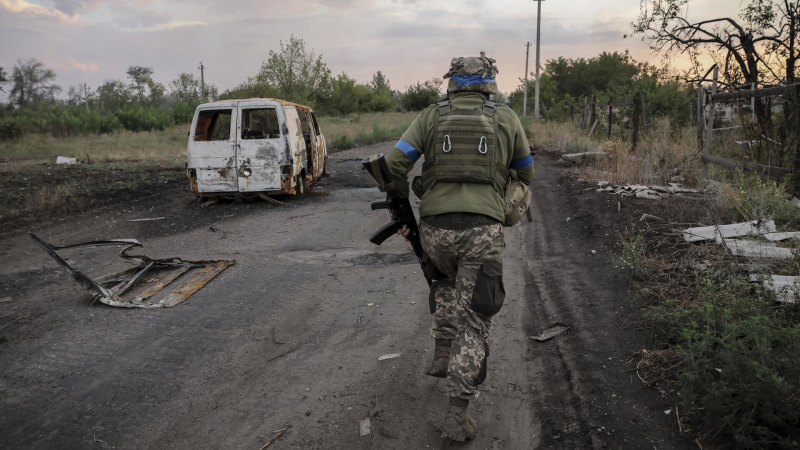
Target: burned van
(256,146)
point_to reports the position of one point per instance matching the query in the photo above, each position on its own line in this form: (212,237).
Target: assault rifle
(399,209)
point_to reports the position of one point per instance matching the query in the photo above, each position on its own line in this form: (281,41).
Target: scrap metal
(110,289)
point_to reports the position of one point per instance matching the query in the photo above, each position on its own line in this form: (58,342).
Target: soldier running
(473,148)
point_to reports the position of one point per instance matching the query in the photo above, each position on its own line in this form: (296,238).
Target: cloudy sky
(94,40)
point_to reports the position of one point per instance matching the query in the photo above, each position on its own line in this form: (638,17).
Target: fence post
(594,109)
(584,118)
(636,116)
(701,113)
(796,99)
(610,115)
(643,106)
(710,124)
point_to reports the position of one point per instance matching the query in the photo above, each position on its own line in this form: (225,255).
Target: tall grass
(364,129)
(662,154)
(167,146)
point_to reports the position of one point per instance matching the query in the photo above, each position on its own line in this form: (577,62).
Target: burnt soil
(289,338)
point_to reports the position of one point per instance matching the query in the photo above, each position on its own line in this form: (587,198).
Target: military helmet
(473,74)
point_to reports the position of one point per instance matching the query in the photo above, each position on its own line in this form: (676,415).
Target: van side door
(212,149)
(260,149)
(297,144)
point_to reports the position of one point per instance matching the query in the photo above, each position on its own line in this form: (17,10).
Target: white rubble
(785,286)
(66,160)
(733,230)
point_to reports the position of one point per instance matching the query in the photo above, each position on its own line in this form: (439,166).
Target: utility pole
(538,39)
(525,99)
(202,83)
(86,96)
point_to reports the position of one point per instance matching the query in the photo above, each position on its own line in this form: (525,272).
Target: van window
(260,123)
(213,125)
(316,125)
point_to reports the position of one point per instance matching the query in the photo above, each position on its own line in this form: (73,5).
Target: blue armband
(409,150)
(522,163)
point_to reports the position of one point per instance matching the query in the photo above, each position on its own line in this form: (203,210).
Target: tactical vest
(463,148)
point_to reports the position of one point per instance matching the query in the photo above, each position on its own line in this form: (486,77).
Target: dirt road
(289,337)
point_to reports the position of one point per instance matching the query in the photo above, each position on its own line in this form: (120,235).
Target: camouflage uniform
(461,251)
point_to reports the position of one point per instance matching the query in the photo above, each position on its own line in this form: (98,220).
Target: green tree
(294,73)
(32,83)
(139,76)
(186,88)
(420,96)
(114,95)
(3,78)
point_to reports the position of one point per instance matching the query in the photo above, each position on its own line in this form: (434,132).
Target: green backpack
(464,150)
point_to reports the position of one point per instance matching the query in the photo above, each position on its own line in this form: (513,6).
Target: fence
(588,114)
(707,116)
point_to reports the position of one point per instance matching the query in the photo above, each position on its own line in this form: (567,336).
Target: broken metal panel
(200,273)
(756,249)
(728,231)
(194,284)
(785,287)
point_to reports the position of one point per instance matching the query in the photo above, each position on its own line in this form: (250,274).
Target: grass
(721,347)
(364,129)
(164,147)
(125,164)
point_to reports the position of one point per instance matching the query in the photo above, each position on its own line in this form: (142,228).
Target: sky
(90,41)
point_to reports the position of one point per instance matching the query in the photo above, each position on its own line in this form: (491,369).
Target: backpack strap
(489,107)
(443,107)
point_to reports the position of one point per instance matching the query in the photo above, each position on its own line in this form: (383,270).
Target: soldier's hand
(404,232)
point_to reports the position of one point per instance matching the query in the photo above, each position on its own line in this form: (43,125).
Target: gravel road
(289,338)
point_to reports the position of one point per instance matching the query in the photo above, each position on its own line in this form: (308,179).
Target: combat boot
(458,426)
(441,359)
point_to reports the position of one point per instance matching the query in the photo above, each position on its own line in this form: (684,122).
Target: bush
(145,118)
(739,371)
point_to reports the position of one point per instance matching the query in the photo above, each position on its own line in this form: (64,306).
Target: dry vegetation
(723,353)
(364,129)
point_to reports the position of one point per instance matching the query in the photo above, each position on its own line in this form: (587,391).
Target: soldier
(473,147)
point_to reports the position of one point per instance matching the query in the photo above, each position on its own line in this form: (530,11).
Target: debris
(389,356)
(755,249)
(5,300)
(785,287)
(9,323)
(66,160)
(775,237)
(550,333)
(728,231)
(278,435)
(364,427)
(646,192)
(577,158)
(267,198)
(649,217)
(567,219)
(109,289)
(212,229)
(669,411)
(210,202)
(147,220)
(376,409)
(594,252)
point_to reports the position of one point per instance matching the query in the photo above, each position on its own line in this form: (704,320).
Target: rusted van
(253,146)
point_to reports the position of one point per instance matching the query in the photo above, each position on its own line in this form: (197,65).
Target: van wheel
(301,185)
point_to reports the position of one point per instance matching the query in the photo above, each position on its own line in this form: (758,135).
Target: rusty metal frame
(128,278)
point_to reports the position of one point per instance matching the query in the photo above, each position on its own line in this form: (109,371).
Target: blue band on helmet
(522,162)
(466,80)
(408,149)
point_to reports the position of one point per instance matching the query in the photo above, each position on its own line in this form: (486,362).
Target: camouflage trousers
(464,256)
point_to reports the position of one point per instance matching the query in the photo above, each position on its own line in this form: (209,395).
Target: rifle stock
(399,208)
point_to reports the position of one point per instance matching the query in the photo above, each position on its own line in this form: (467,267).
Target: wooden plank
(775,172)
(759,93)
